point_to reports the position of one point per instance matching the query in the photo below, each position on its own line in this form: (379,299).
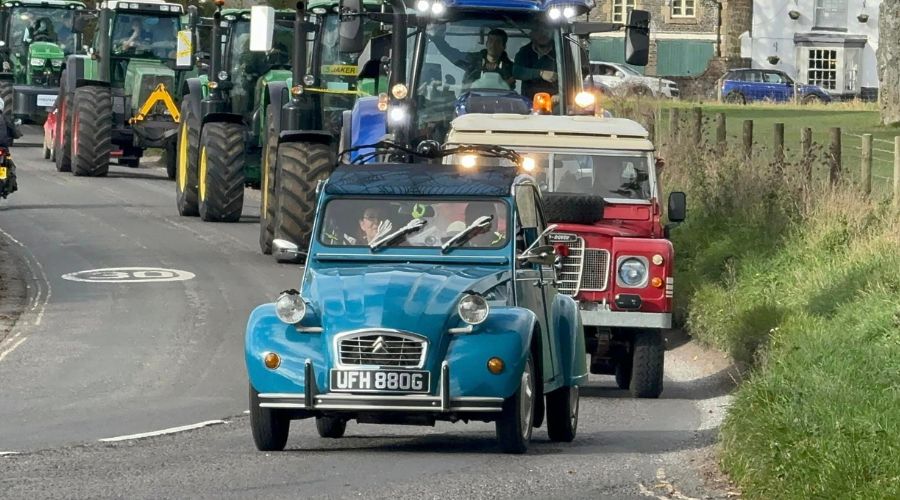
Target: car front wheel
(562,414)
(514,426)
(270,427)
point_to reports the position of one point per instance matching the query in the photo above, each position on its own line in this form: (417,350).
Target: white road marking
(129,275)
(38,300)
(171,430)
(13,348)
(8,453)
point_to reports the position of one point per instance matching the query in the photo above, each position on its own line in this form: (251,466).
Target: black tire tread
(187,200)
(62,139)
(7,93)
(299,168)
(330,427)
(224,143)
(573,208)
(647,364)
(270,428)
(93,110)
(267,214)
(507,424)
(559,425)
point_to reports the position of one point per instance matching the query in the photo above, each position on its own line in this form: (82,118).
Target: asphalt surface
(87,361)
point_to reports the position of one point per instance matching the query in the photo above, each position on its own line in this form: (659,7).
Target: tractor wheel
(171,155)
(300,167)
(221,172)
(186,184)
(92,121)
(267,184)
(6,93)
(62,138)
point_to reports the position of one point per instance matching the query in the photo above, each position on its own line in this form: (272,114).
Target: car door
(532,280)
(776,88)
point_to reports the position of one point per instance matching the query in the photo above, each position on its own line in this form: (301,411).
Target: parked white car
(624,80)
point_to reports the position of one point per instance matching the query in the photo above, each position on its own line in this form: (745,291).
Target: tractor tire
(267,184)
(573,208)
(270,427)
(300,167)
(62,138)
(171,155)
(562,414)
(221,172)
(7,94)
(46,152)
(92,131)
(186,184)
(647,364)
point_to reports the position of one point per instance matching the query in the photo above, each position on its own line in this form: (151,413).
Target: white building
(831,43)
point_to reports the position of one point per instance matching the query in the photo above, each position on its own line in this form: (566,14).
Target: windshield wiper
(410,227)
(482,223)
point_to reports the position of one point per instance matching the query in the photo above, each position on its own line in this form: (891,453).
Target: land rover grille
(584,269)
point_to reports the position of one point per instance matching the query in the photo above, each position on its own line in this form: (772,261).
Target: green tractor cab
(122,93)
(35,38)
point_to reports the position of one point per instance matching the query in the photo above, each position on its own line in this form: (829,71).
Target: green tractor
(305,113)
(35,38)
(123,93)
(221,135)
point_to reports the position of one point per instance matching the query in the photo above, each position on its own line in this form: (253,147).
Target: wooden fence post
(866,163)
(835,159)
(698,124)
(779,147)
(897,172)
(806,146)
(673,124)
(721,133)
(748,138)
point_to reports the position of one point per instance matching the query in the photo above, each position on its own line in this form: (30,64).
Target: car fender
(368,125)
(570,337)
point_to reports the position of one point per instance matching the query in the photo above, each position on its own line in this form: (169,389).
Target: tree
(889,62)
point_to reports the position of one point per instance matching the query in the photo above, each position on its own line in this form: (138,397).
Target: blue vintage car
(429,294)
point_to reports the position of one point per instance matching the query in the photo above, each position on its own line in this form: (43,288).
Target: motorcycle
(8,184)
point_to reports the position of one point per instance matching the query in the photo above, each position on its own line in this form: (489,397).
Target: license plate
(2,173)
(404,381)
(46,100)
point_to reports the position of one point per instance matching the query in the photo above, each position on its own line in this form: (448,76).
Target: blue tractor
(458,56)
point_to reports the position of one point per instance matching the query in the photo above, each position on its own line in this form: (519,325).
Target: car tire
(811,99)
(514,425)
(221,172)
(92,122)
(300,166)
(267,184)
(270,427)
(647,364)
(735,98)
(623,375)
(573,208)
(186,185)
(331,427)
(562,414)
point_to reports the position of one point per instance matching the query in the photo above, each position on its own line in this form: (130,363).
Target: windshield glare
(145,35)
(359,221)
(42,24)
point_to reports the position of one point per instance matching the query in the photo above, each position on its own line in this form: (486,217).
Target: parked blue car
(748,85)
(429,294)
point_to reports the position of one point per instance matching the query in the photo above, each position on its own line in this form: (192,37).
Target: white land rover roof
(582,132)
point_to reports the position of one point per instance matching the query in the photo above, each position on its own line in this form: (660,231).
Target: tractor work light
(398,114)
(434,8)
(585,100)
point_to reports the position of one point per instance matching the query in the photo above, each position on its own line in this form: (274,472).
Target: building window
(683,8)
(620,10)
(831,14)
(822,68)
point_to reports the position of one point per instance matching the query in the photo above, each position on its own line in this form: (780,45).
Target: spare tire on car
(573,208)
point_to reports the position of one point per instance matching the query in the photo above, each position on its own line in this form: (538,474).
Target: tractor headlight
(397,114)
(38,61)
(56,62)
(632,272)
(223,75)
(473,309)
(290,308)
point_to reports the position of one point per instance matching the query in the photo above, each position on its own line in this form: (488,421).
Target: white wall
(772,25)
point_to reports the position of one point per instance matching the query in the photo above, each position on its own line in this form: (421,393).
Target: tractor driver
(535,64)
(491,59)
(138,36)
(40,31)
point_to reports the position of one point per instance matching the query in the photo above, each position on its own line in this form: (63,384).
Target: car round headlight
(290,308)
(632,272)
(473,309)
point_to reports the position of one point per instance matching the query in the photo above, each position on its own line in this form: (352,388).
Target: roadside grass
(799,282)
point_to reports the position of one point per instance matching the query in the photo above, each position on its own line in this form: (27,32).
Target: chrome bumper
(311,399)
(626,319)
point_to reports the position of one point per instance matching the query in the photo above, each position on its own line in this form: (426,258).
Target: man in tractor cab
(41,31)
(491,59)
(535,64)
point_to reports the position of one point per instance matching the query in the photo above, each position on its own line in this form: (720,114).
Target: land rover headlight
(290,308)
(38,61)
(632,272)
(473,309)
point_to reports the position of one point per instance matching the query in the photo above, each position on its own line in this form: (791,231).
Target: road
(92,360)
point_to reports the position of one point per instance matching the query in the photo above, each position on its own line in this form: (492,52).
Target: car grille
(583,268)
(378,348)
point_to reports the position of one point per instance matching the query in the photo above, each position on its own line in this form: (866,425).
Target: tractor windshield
(42,24)
(139,35)
(246,67)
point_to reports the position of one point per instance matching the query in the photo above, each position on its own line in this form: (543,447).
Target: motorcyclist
(8,132)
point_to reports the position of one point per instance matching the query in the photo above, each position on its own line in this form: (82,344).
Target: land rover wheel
(221,172)
(514,424)
(562,414)
(92,131)
(647,364)
(301,166)
(623,374)
(331,427)
(186,185)
(573,208)
(270,427)
(267,185)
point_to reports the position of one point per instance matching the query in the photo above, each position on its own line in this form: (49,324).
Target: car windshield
(629,70)
(145,35)
(357,222)
(42,24)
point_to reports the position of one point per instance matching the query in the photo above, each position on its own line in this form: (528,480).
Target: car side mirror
(351,33)
(677,206)
(637,38)
(285,251)
(544,255)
